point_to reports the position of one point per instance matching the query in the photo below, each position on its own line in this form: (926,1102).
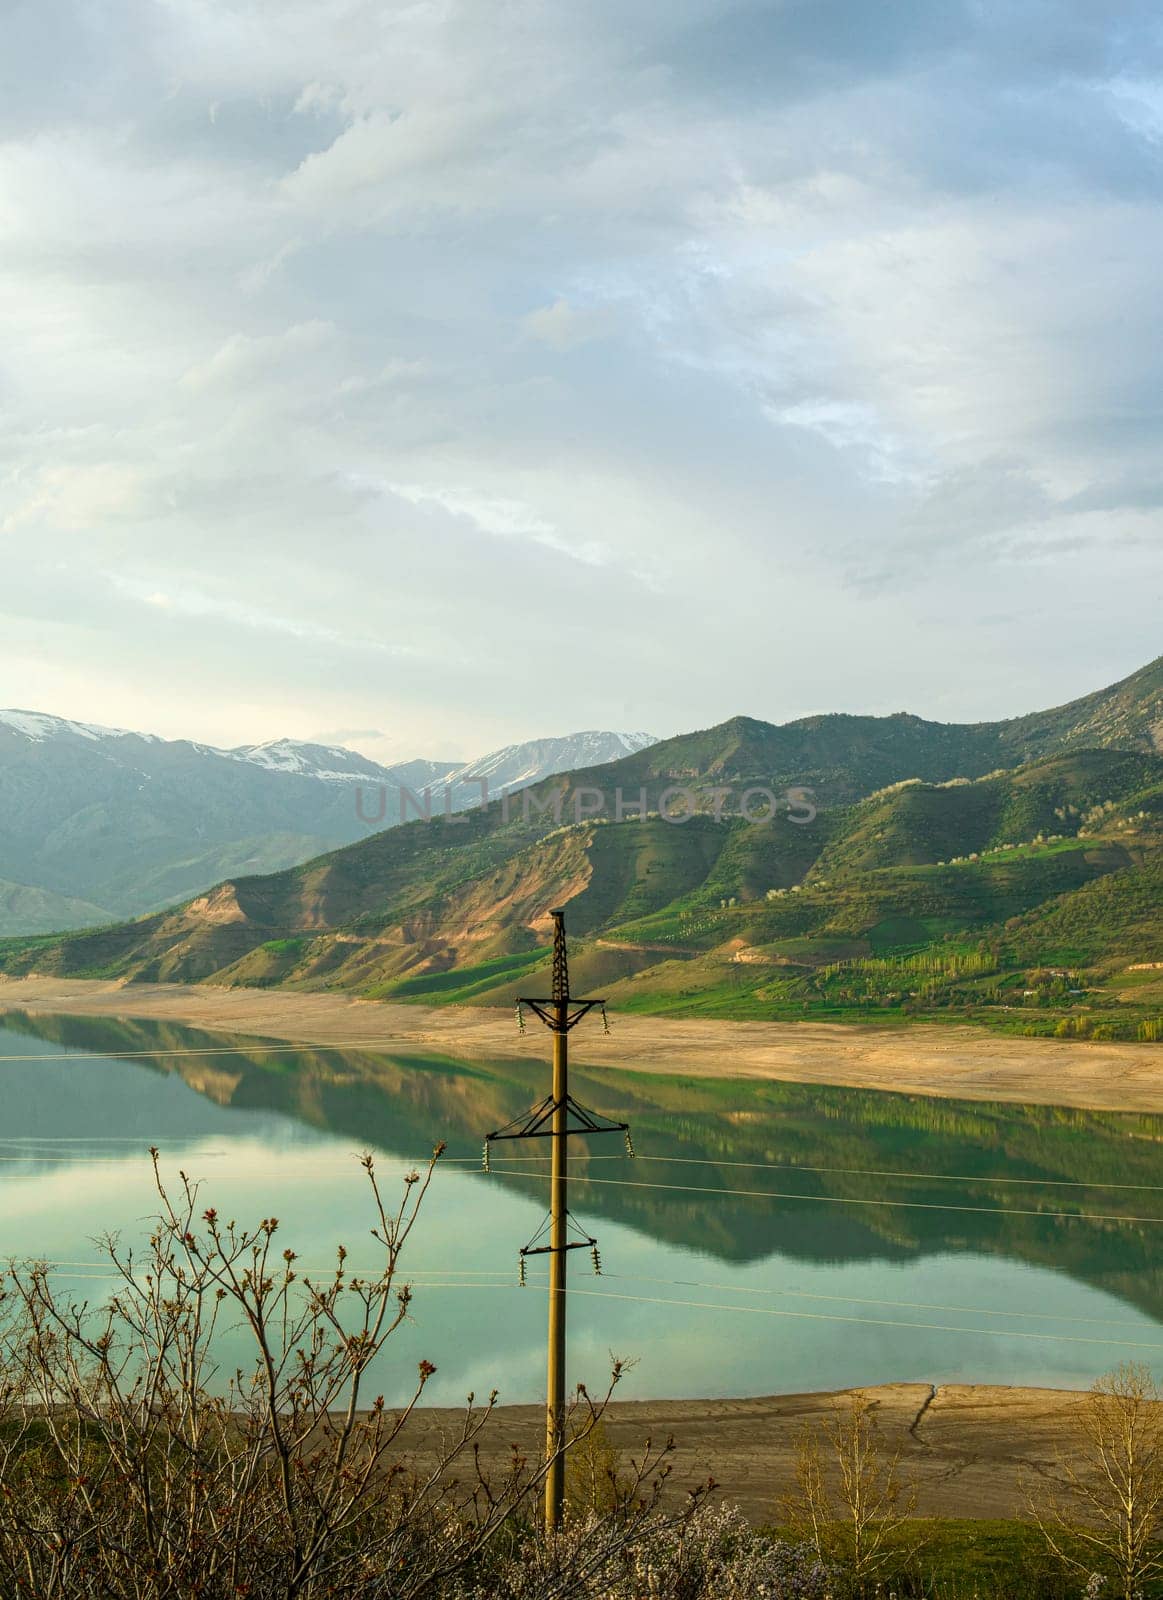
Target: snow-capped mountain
(329,762)
(101,823)
(122,822)
(511,767)
(39,727)
(517,765)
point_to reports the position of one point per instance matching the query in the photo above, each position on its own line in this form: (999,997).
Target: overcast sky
(437,374)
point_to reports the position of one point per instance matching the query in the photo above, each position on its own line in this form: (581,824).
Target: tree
(592,1473)
(600,1479)
(1109,1510)
(851,1503)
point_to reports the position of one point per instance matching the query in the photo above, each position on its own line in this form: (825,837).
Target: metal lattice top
(560,959)
(561,1011)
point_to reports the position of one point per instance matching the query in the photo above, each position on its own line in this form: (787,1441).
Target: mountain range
(100,823)
(1010,872)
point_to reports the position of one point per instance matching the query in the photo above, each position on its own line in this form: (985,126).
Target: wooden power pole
(557,1118)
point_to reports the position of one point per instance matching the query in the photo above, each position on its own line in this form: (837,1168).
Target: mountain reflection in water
(968,1278)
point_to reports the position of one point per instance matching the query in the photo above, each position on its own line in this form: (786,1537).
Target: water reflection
(870,1267)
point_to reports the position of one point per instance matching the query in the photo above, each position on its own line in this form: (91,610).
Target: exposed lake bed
(937,1060)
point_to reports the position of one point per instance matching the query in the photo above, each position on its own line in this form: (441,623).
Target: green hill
(37,910)
(916,824)
(1126,716)
(907,871)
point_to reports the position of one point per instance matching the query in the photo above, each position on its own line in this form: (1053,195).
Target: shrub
(126,1474)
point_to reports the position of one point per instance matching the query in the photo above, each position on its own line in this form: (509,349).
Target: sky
(431,375)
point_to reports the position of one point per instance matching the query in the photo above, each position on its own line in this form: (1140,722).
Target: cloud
(70,499)
(564,327)
(244,360)
(363,359)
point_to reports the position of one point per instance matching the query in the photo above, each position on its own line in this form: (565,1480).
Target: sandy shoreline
(972,1449)
(957,1062)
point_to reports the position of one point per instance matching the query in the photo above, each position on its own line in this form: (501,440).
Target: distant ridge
(962,868)
(1127,716)
(516,765)
(98,823)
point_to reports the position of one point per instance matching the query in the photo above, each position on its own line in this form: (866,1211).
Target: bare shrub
(1109,1511)
(851,1503)
(130,1471)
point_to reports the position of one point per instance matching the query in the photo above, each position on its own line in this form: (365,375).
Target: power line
(846,1200)
(112,1053)
(976,1179)
(469,1277)
(34,1159)
(253,1163)
(335,1164)
(458,1279)
(890,1172)
(453,1282)
(326,1158)
(861,1300)
(878,1322)
(87,1138)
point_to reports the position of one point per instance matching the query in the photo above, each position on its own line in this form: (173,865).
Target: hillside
(1021,898)
(100,823)
(40,911)
(1126,716)
(919,824)
(844,758)
(943,891)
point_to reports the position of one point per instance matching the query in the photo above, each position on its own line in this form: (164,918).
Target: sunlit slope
(918,824)
(1126,716)
(840,918)
(966,880)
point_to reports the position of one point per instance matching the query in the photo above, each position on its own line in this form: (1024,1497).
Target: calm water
(831,1277)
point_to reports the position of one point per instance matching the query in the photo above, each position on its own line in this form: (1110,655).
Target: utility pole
(557,1118)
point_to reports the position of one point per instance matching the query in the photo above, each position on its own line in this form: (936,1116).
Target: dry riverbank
(970,1448)
(959,1062)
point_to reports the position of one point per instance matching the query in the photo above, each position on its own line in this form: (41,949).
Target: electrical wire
(862,1300)
(765,1311)
(807,1316)
(35,1157)
(260,1047)
(978,1179)
(331,1163)
(973,1179)
(890,1172)
(844,1200)
(877,1322)
(452,1283)
(436,1277)
(86,1138)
